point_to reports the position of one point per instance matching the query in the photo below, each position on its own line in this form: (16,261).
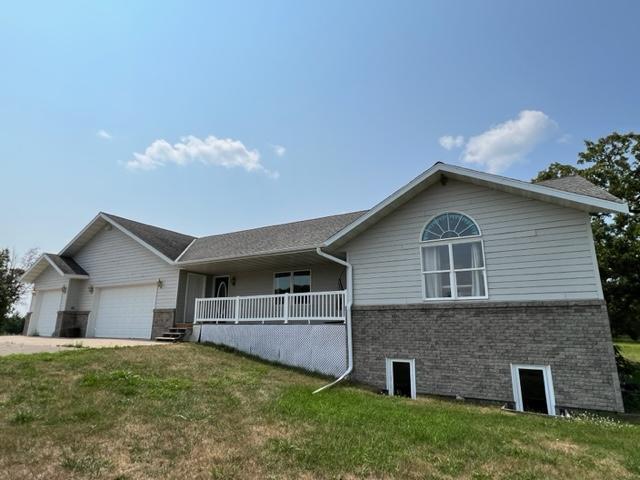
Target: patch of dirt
(563,446)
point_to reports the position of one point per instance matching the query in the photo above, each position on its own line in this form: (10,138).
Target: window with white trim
(292,282)
(452,257)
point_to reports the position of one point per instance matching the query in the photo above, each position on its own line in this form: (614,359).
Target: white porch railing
(308,307)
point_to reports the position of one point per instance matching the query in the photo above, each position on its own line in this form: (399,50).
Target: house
(461,283)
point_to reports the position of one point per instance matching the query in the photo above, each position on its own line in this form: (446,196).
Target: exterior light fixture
(91,289)
(64,289)
(160,283)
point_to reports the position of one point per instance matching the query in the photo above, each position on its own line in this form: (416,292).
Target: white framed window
(401,377)
(298,281)
(452,258)
(533,389)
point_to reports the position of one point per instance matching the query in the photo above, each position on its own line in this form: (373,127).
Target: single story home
(461,283)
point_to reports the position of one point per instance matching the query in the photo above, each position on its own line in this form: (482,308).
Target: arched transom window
(452,258)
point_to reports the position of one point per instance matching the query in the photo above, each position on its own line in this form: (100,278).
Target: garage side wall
(113,259)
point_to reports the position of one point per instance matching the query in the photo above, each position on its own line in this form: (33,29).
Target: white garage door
(47,313)
(125,312)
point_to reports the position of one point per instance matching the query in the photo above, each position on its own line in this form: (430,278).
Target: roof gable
(575,198)
(64,266)
(167,244)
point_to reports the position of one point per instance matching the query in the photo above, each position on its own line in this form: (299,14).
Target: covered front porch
(301,287)
(288,308)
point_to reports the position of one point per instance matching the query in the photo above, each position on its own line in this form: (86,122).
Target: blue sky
(251,113)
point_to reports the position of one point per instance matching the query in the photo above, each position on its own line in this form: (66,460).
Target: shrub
(12,325)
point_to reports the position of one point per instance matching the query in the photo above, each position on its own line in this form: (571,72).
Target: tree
(613,163)
(10,287)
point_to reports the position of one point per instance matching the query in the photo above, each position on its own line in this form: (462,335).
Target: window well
(401,380)
(533,389)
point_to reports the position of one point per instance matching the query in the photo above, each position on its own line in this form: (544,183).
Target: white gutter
(348,312)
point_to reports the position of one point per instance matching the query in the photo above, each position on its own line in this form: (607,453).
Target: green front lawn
(190,411)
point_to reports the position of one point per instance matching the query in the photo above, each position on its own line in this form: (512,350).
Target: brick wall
(163,319)
(71,323)
(467,348)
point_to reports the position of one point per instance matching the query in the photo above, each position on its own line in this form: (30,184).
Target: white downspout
(348,312)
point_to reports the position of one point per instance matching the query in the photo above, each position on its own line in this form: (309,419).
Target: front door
(221,287)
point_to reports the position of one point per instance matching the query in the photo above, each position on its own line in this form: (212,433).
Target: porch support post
(286,308)
(236,306)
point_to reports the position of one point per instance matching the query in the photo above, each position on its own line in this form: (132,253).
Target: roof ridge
(281,224)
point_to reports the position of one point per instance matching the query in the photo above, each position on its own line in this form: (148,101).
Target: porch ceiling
(277,262)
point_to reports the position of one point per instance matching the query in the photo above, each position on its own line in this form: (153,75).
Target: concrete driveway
(11,344)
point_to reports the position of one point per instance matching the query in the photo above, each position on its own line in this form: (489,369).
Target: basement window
(533,389)
(401,377)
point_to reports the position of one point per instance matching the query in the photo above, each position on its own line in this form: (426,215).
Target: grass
(192,411)
(630,374)
(630,349)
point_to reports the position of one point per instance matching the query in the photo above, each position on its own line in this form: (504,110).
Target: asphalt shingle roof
(169,243)
(580,185)
(67,264)
(306,234)
(271,239)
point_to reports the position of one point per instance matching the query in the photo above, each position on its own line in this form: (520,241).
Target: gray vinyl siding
(324,278)
(112,258)
(533,250)
(75,292)
(49,279)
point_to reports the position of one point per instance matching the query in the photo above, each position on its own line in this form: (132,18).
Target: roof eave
(248,257)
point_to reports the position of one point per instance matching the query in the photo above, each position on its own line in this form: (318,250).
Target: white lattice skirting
(318,348)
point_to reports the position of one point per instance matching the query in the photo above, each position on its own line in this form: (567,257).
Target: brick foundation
(466,349)
(163,319)
(25,327)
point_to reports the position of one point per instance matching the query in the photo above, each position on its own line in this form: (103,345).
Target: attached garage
(46,314)
(125,311)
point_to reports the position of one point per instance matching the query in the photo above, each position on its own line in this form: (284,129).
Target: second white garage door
(125,312)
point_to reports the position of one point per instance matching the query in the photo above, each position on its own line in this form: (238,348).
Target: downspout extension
(348,312)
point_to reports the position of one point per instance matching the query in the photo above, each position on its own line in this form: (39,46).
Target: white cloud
(224,152)
(565,138)
(279,150)
(449,141)
(104,134)
(508,143)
